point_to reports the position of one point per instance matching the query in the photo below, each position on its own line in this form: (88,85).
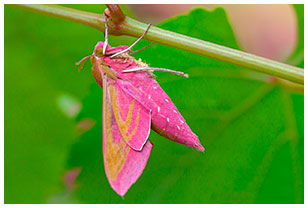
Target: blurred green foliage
(40,53)
(252,129)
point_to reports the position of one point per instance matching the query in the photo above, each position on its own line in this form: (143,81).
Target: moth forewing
(123,165)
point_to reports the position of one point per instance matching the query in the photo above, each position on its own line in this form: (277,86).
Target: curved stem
(135,28)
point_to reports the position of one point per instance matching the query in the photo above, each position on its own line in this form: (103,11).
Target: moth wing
(123,165)
(165,117)
(133,119)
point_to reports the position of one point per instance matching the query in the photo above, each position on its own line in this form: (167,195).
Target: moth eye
(99,52)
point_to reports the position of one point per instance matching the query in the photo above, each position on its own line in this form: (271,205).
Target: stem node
(116,13)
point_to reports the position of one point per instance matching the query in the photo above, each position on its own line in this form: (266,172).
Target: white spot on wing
(174,111)
(178,127)
(167,100)
(158,109)
(149,97)
(168,119)
(182,121)
(155,87)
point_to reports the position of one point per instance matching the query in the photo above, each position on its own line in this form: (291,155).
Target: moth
(133,103)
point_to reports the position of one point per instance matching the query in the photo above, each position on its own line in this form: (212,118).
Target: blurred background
(265,30)
(250,124)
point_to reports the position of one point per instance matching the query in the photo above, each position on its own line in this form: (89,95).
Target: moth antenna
(157,69)
(141,49)
(106,36)
(82,61)
(130,47)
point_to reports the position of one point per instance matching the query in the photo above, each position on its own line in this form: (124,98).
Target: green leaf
(40,53)
(251,127)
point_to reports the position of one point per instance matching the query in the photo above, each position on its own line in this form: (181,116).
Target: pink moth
(133,103)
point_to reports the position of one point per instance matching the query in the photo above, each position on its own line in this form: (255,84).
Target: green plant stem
(222,53)
(135,28)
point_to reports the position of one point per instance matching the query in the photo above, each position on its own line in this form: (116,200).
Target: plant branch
(123,25)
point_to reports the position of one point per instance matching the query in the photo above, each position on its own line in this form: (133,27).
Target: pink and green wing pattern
(123,164)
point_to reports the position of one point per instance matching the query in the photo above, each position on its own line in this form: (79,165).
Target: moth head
(99,52)
(98,49)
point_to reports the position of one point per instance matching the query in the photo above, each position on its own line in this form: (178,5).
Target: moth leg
(82,61)
(157,69)
(130,47)
(106,35)
(141,49)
